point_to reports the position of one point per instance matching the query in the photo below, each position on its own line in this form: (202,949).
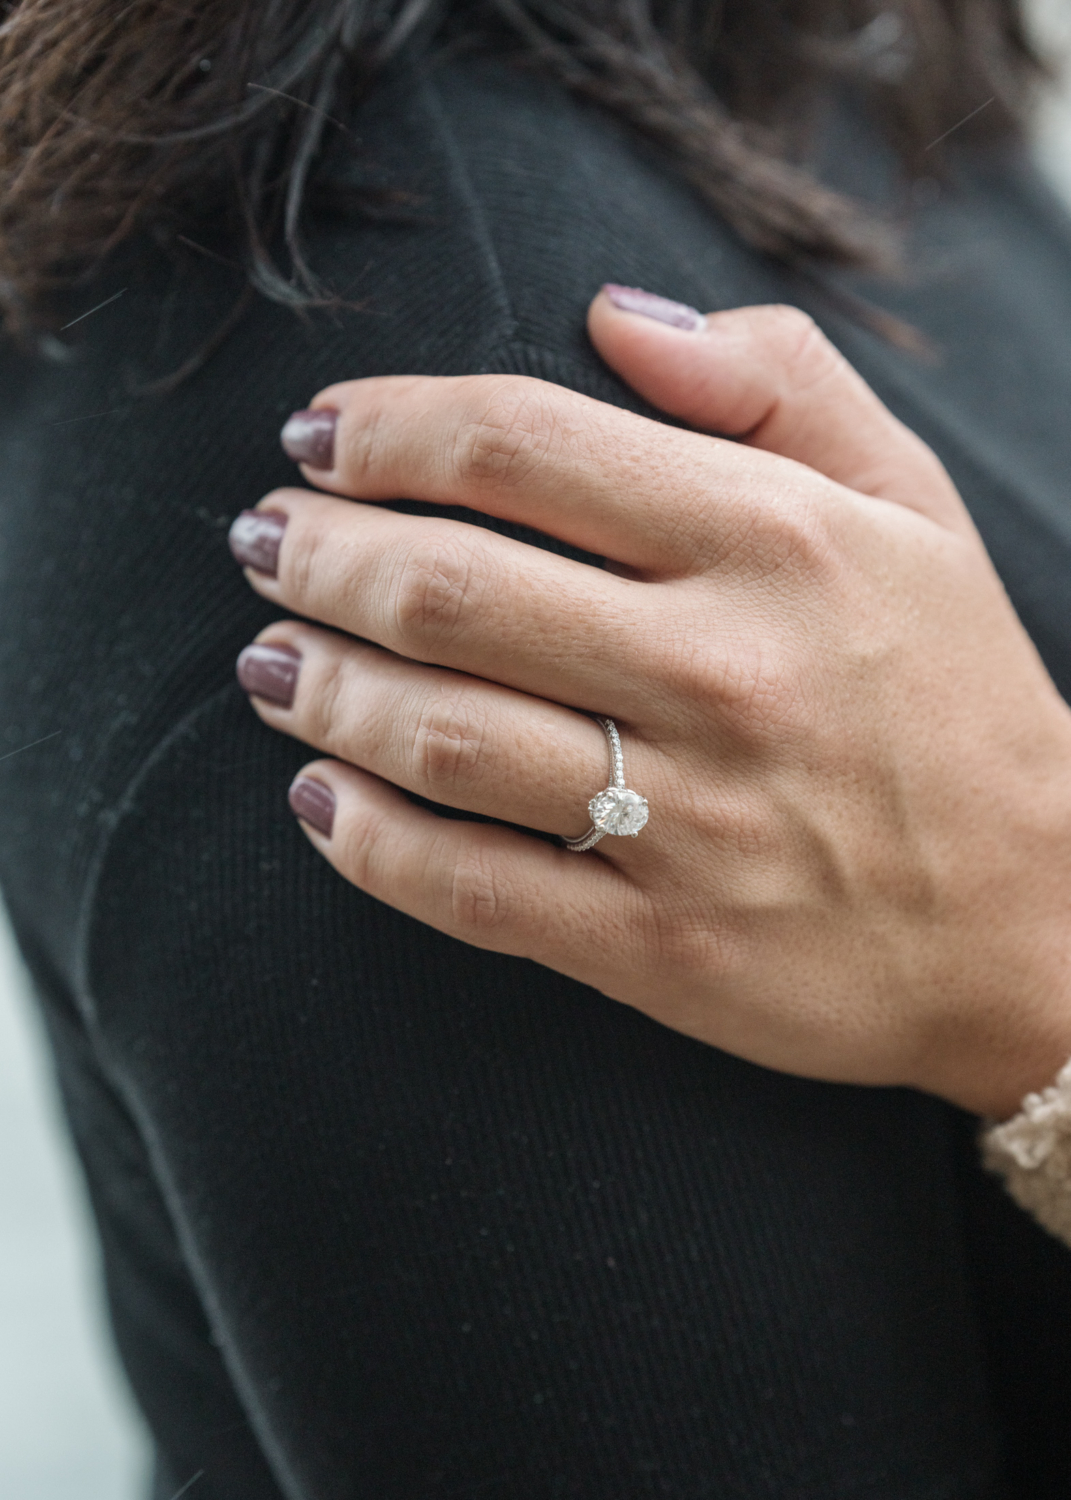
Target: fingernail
(309,437)
(255,537)
(270,672)
(314,804)
(677,314)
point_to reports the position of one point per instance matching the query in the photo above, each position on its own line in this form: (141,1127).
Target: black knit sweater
(385,1216)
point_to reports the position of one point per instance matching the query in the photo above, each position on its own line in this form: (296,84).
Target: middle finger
(458,596)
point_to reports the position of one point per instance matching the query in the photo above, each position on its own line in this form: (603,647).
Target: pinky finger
(487,885)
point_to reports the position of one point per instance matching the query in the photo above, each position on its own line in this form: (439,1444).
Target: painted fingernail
(314,804)
(270,672)
(255,538)
(309,437)
(634,300)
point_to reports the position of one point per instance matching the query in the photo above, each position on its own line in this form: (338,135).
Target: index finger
(770,377)
(602,479)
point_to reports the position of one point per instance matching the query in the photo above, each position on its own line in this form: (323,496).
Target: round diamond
(617,810)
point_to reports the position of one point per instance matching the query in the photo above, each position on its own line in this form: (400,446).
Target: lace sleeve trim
(1032,1152)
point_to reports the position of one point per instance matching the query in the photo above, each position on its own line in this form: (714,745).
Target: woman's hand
(858,860)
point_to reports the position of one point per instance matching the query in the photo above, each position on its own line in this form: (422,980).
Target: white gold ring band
(617,810)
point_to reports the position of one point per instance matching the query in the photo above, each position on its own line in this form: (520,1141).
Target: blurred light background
(68,1430)
(67,1427)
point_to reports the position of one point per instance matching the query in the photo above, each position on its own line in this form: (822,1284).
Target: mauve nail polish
(255,538)
(270,672)
(314,804)
(309,437)
(634,300)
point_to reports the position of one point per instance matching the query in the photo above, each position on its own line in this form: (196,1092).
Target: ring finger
(457,740)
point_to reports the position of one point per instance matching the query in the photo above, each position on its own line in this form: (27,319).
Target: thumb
(769,376)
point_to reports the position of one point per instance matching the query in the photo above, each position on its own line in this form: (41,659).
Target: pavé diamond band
(616,810)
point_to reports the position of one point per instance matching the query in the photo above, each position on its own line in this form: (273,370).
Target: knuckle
(512,429)
(365,448)
(299,560)
(685,942)
(759,696)
(755,687)
(798,534)
(435,586)
(688,666)
(479,898)
(324,715)
(794,532)
(361,843)
(449,745)
(807,355)
(750,827)
(788,325)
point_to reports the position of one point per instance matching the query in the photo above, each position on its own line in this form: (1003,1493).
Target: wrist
(1005,1031)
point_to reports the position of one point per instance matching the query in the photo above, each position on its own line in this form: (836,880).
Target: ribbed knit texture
(387,1218)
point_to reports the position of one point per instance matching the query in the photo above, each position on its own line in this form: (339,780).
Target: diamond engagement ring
(617,809)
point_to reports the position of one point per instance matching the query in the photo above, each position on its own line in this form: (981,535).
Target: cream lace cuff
(1032,1152)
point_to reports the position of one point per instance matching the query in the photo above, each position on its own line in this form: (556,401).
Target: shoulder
(524,201)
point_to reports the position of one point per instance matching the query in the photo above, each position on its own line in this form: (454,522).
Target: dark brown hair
(118,117)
